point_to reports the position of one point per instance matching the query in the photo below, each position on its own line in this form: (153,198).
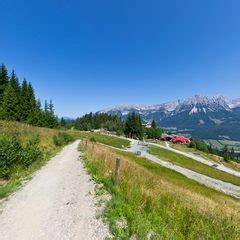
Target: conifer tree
(133,126)
(232,153)
(48,117)
(51,108)
(153,125)
(37,118)
(15,83)
(18,103)
(32,106)
(62,122)
(46,106)
(10,105)
(3,81)
(25,108)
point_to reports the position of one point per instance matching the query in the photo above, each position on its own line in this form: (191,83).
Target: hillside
(151,200)
(155,202)
(200,116)
(24,149)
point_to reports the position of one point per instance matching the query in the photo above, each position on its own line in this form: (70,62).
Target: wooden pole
(117,173)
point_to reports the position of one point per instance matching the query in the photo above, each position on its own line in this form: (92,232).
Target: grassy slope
(104,139)
(189,163)
(25,132)
(207,156)
(153,199)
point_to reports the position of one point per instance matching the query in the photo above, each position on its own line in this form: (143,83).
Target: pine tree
(18,103)
(226,153)
(10,105)
(232,153)
(154,125)
(51,107)
(46,106)
(62,122)
(48,117)
(210,148)
(15,83)
(32,106)
(38,116)
(3,81)
(25,108)
(133,126)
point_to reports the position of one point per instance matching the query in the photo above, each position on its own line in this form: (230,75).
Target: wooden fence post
(117,173)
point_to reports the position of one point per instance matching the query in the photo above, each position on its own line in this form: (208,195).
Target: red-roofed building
(180,139)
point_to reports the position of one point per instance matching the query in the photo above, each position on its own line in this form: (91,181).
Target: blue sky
(88,55)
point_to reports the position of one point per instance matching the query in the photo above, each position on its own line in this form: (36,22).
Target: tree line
(18,102)
(99,120)
(132,127)
(226,153)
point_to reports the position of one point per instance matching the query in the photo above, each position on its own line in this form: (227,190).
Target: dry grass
(151,184)
(25,132)
(229,205)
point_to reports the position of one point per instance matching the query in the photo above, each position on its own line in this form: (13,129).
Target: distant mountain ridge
(201,116)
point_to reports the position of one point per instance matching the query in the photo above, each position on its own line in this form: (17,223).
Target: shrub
(12,153)
(31,152)
(92,139)
(62,139)
(10,150)
(199,144)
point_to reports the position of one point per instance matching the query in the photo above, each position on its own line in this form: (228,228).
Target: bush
(12,153)
(31,152)
(199,145)
(92,139)
(62,139)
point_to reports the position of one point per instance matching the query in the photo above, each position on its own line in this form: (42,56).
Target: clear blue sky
(87,55)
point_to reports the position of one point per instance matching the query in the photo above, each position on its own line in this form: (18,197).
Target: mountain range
(200,116)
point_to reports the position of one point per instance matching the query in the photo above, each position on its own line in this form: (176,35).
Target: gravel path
(219,185)
(200,159)
(58,203)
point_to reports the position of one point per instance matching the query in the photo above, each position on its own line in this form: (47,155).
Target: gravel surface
(58,203)
(225,187)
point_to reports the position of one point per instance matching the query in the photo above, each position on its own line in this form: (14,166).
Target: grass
(25,132)
(104,139)
(156,202)
(191,164)
(207,156)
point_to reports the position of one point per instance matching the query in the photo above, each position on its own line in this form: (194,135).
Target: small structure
(147,125)
(167,137)
(181,140)
(175,139)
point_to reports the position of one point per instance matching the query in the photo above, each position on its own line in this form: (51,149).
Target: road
(199,159)
(219,185)
(58,203)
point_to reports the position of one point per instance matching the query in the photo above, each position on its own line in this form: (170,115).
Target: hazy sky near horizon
(88,55)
